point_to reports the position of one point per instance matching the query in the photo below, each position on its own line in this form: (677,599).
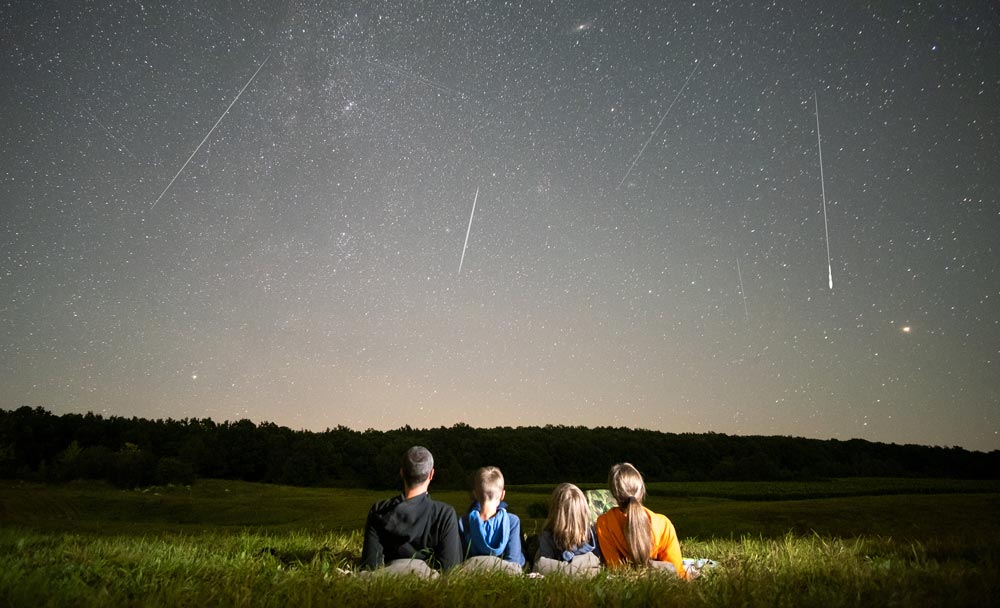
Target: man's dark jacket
(418,528)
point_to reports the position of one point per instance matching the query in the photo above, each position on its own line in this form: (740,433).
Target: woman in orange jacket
(631,533)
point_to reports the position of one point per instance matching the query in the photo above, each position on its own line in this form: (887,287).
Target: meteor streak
(822,183)
(416,77)
(662,118)
(207,135)
(742,293)
(468,230)
(121,145)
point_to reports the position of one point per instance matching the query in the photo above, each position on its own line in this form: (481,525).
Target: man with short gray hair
(411,533)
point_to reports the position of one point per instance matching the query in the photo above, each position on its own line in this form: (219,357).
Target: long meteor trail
(207,135)
(662,118)
(822,183)
(468,230)
(743,294)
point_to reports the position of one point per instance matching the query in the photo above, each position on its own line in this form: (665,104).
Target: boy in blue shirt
(491,537)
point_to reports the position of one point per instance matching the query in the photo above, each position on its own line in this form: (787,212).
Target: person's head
(626,484)
(569,517)
(417,466)
(487,485)
(629,491)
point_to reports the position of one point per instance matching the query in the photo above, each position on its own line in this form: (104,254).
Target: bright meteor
(207,135)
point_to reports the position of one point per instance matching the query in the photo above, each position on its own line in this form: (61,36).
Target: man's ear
(503,494)
(430,475)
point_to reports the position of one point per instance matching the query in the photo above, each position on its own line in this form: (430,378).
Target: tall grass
(249,569)
(232,544)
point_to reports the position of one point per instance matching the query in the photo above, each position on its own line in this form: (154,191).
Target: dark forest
(36,444)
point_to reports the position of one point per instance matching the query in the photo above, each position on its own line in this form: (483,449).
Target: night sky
(647,248)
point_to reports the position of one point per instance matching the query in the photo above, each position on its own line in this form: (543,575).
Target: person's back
(567,542)
(488,530)
(631,533)
(412,527)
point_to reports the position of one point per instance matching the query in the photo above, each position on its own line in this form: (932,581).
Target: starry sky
(386,213)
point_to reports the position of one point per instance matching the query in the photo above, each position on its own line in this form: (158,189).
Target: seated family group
(413,534)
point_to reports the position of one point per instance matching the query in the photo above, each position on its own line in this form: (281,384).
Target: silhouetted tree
(36,444)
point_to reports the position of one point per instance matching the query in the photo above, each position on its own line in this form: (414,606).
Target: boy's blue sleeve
(512,552)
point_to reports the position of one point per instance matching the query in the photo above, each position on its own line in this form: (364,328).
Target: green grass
(226,543)
(207,506)
(826,488)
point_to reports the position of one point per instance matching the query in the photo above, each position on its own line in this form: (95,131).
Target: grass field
(833,543)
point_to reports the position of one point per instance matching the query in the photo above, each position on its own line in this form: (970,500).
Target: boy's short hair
(487,484)
(416,466)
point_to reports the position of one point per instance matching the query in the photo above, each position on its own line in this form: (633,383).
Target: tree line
(132,452)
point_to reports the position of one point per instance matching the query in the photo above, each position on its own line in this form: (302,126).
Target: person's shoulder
(444,516)
(659,522)
(386,505)
(653,515)
(441,507)
(609,522)
(612,514)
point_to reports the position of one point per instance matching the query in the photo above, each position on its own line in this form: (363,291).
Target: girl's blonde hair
(569,517)
(629,491)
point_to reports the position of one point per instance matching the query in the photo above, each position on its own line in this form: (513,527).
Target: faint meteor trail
(468,230)
(207,135)
(110,134)
(742,293)
(822,182)
(417,77)
(662,118)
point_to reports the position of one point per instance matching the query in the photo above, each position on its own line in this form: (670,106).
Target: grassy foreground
(232,544)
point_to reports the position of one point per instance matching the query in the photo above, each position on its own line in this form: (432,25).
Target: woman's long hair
(569,517)
(629,491)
